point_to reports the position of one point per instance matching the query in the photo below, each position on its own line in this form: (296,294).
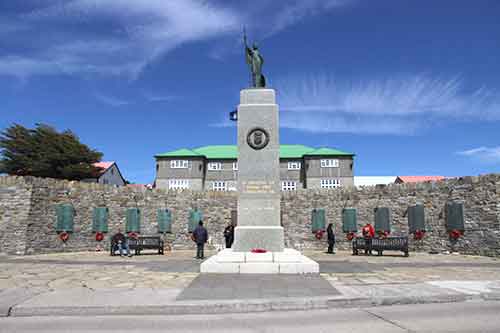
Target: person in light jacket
(200,237)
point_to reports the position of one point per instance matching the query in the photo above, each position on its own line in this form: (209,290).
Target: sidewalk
(97,284)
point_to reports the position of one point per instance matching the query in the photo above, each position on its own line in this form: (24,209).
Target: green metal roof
(328,151)
(294,151)
(231,152)
(179,153)
(223,151)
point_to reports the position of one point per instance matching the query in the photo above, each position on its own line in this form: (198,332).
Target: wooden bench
(141,243)
(380,245)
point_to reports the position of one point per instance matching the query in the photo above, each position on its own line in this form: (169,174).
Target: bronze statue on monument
(255,60)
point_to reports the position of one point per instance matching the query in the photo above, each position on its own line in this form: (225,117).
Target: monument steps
(289,261)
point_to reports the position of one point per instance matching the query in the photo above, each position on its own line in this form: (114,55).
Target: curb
(245,306)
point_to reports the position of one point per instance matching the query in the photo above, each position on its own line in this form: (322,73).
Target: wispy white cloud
(296,11)
(266,18)
(330,123)
(21,67)
(146,96)
(484,154)
(132,34)
(154,97)
(122,37)
(223,124)
(400,105)
(111,100)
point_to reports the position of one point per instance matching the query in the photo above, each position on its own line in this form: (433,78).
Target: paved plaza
(89,283)
(252,286)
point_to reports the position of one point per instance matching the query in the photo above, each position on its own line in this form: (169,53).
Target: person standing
(200,237)
(229,236)
(331,238)
(368,234)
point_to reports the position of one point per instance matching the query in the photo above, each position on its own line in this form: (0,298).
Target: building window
(179,164)
(293,165)
(176,184)
(112,171)
(235,166)
(330,183)
(157,166)
(330,163)
(288,186)
(214,166)
(219,186)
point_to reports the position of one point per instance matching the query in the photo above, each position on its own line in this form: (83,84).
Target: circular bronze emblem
(257,138)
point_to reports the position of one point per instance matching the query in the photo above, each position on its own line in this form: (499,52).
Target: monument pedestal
(288,261)
(259,191)
(258,173)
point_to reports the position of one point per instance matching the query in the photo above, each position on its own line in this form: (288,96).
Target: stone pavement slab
(142,301)
(94,283)
(469,287)
(254,286)
(14,296)
(84,300)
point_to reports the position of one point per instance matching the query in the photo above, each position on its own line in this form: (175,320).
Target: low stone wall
(480,196)
(15,201)
(27,213)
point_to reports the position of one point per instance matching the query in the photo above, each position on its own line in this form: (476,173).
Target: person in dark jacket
(229,235)
(331,238)
(200,237)
(121,242)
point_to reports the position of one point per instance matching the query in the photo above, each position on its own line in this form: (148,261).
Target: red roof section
(103,165)
(417,179)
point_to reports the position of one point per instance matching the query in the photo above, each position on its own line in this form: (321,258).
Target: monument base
(288,261)
(247,238)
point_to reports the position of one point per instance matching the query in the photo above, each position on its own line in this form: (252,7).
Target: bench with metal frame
(380,245)
(141,243)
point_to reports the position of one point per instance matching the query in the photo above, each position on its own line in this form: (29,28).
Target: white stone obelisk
(259,222)
(259,225)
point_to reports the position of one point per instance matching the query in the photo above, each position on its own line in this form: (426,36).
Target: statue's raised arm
(255,60)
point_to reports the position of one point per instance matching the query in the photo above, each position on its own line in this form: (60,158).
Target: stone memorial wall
(28,213)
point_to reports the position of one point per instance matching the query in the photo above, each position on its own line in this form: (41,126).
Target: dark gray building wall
(226,174)
(315,173)
(309,176)
(194,172)
(292,175)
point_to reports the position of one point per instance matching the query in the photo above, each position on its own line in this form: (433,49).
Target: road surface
(467,317)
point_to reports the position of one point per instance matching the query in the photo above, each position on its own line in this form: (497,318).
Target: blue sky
(411,87)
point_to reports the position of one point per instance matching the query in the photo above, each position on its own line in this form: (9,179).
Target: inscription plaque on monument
(258,187)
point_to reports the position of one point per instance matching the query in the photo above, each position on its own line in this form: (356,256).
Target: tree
(44,152)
